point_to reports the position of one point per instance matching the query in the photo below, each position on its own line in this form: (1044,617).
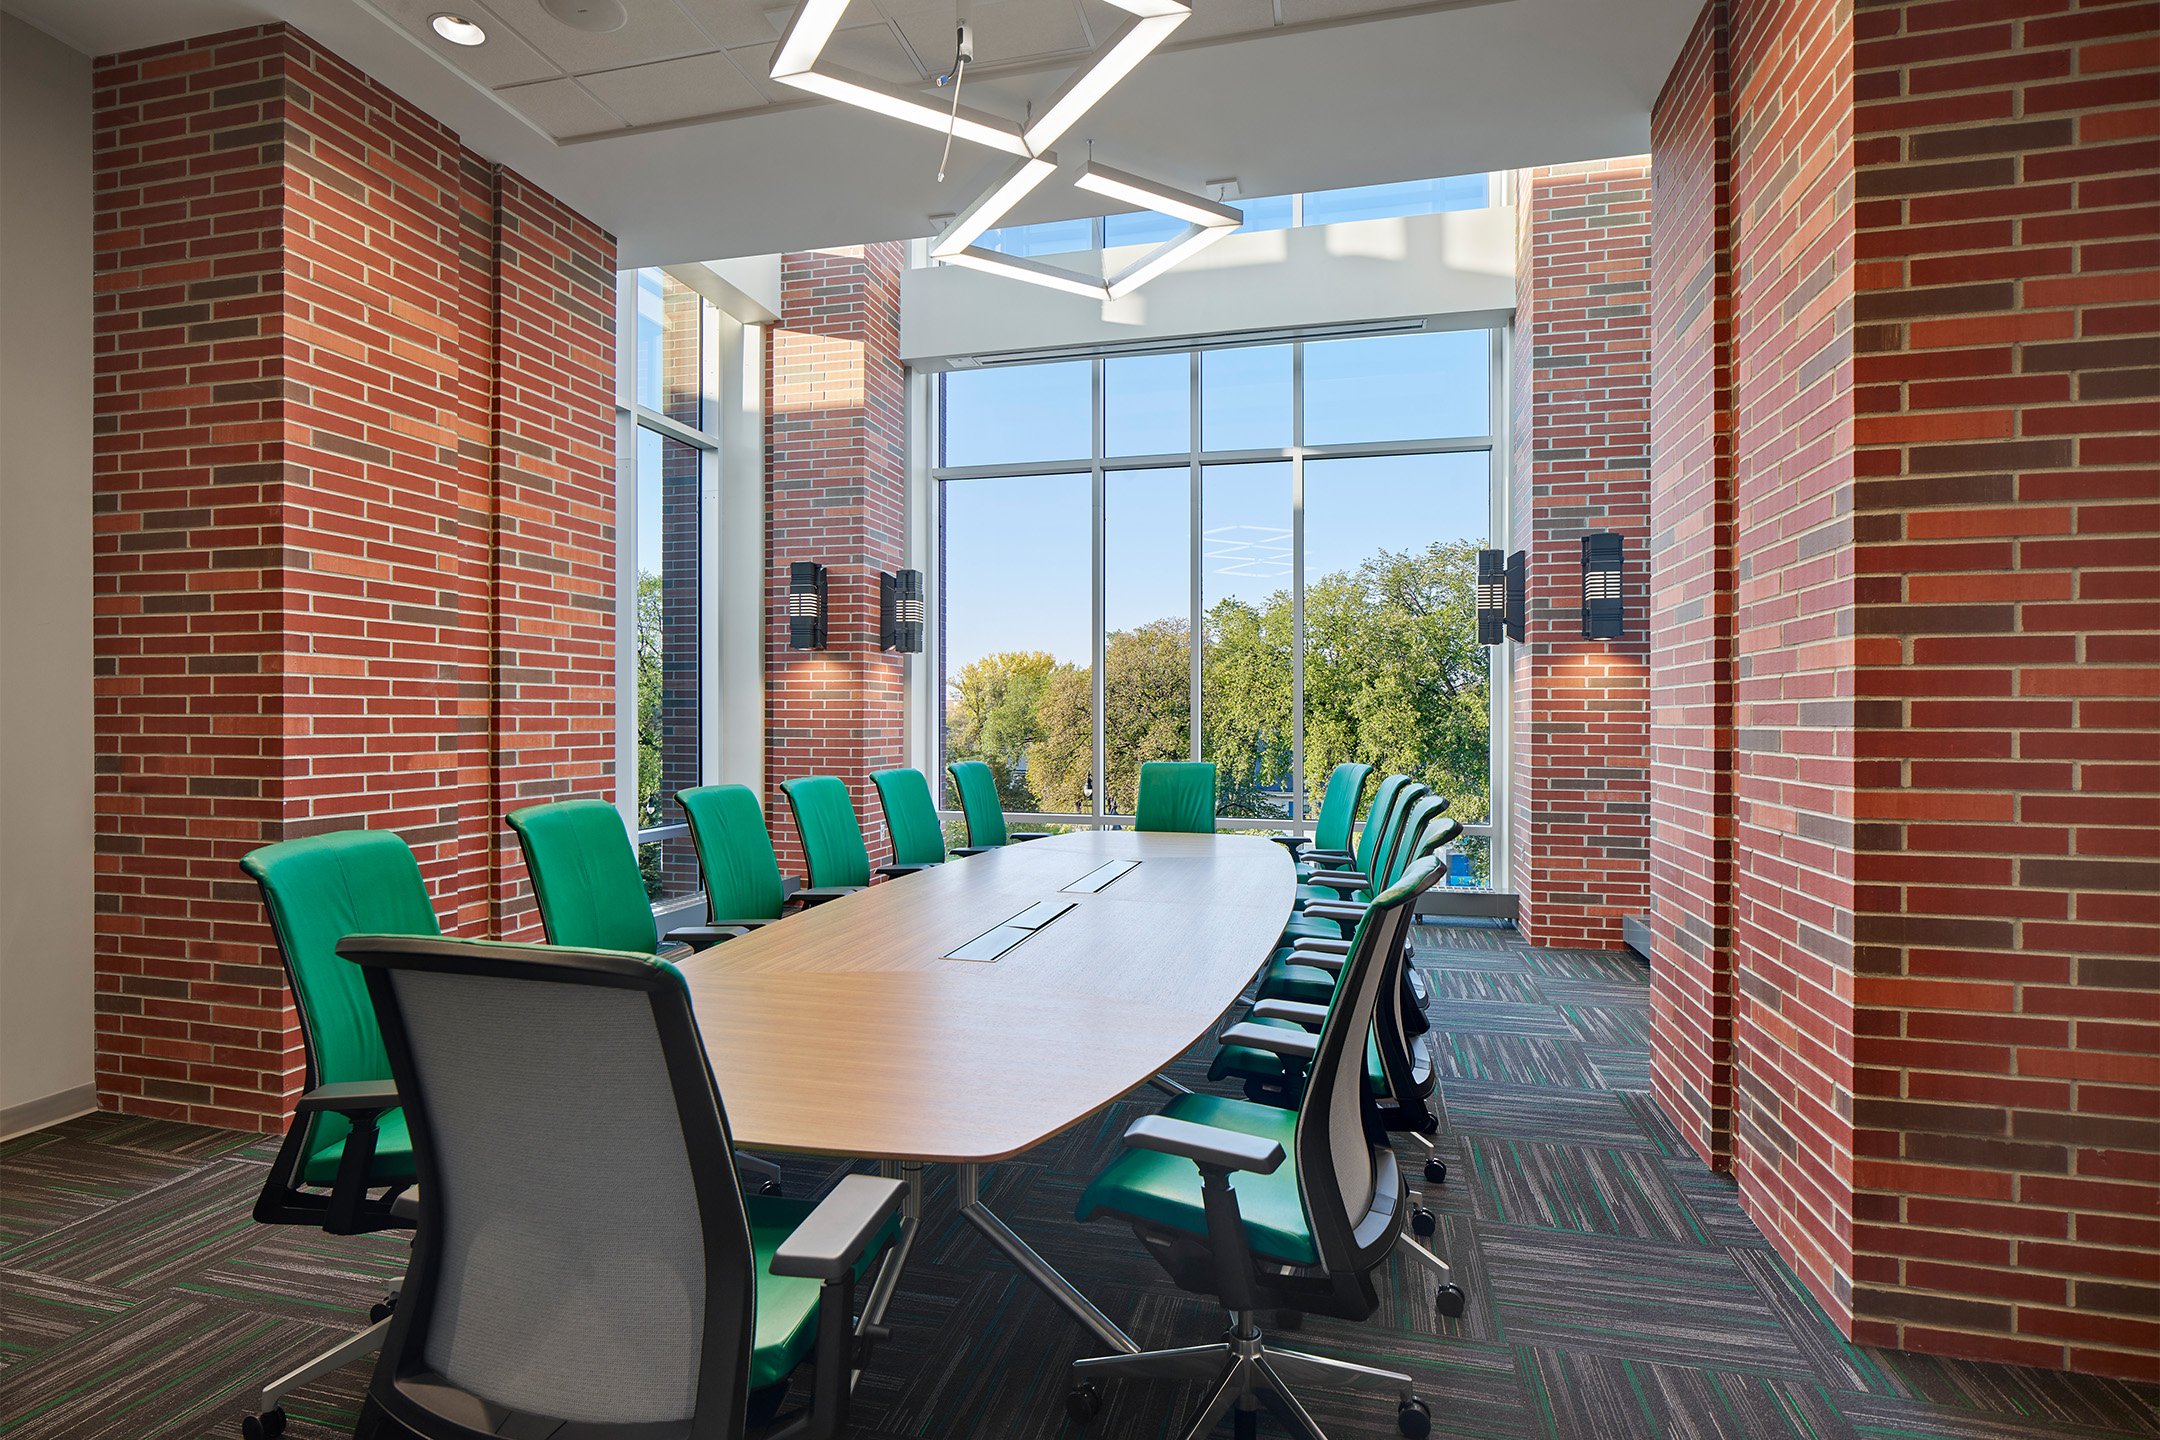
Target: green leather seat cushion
(1248,1063)
(1313,927)
(786,1304)
(1306,984)
(393,1153)
(1164,1190)
(1321,895)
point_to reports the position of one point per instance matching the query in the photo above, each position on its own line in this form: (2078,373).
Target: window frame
(706,440)
(929,396)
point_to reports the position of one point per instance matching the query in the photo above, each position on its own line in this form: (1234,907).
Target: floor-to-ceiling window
(670,442)
(1259,555)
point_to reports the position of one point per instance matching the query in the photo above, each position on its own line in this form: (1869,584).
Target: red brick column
(1691,592)
(320,375)
(1946,560)
(1581,394)
(836,470)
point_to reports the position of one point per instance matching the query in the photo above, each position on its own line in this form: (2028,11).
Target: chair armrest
(833,1237)
(1292,843)
(1339,879)
(961,852)
(895,872)
(1205,1145)
(1319,960)
(741,926)
(1296,1044)
(1294,1010)
(823,893)
(699,937)
(1341,911)
(1321,945)
(1330,857)
(1016,836)
(350,1098)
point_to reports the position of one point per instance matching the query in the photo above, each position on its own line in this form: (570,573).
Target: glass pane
(1245,398)
(1265,212)
(1245,711)
(1051,237)
(1017,413)
(1404,197)
(1147,405)
(1394,675)
(670,869)
(670,334)
(1396,387)
(1142,227)
(1015,616)
(667,626)
(1147,605)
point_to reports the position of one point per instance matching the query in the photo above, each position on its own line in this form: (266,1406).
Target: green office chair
(592,897)
(347,1136)
(918,837)
(1338,811)
(743,884)
(1176,796)
(587,1263)
(831,835)
(1353,856)
(1324,888)
(1272,1209)
(976,785)
(586,880)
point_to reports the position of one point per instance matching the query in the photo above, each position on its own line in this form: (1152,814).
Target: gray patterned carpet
(1616,1289)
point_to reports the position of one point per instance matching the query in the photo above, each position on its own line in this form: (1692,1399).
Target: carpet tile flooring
(1616,1289)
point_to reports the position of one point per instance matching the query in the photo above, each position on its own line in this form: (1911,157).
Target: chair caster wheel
(1413,1418)
(382,1310)
(1424,1222)
(1436,1170)
(1245,1425)
(1450,1301)
(1084,1401)
(265,1426)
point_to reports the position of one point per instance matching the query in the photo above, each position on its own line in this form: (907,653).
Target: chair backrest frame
(735,853)
(831,835)
(911,819)
(724,1352)
(975,786)
(1176,797)
(585,876)
(1376,818)
(1339,803)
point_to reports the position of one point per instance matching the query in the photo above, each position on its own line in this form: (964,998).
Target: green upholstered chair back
(910,817)
(585,876)
(1338,805)
(735,851)
(1376,818)
(1176,795)
(318,891)
(976,785)
(831,836)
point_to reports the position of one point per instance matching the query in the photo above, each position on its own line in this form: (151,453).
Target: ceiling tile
(657,30)
(669,90)
(503,60)
(733,23)
(1310,12)
(1213,19)
(561,108)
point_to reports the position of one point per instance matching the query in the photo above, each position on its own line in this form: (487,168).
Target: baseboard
(37,1114)
(1445,900)
(1635,934)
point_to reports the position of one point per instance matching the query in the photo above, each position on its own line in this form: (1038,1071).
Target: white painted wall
(45,709)
(1457,269)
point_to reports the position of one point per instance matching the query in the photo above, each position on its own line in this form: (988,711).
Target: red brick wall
(354,495)
(2007,324)
(1946,323)
(836,469)
(1691,592)
(1581,395)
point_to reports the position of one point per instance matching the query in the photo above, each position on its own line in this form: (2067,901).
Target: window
(1262,556)
(667,418)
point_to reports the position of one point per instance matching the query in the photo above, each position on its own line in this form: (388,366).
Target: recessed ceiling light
(457,29)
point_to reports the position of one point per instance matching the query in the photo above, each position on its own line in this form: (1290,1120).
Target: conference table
(1087,963)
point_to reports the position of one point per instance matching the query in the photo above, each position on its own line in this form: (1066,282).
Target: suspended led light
(799,61)
(457,29)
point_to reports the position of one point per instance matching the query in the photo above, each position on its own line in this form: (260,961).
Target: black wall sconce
(1518,595)
(1491,597)
(1604,616)
(806,606)
(900,611)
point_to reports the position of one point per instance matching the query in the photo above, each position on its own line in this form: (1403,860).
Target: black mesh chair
(588,1265)
(1272,1209)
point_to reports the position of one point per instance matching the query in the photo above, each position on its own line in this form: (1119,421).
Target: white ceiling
(668,131)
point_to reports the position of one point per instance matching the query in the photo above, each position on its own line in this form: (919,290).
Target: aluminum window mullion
(1098,581)
(1195,518)
(1297,581)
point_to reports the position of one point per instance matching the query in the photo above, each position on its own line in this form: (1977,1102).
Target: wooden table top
(844,1030)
